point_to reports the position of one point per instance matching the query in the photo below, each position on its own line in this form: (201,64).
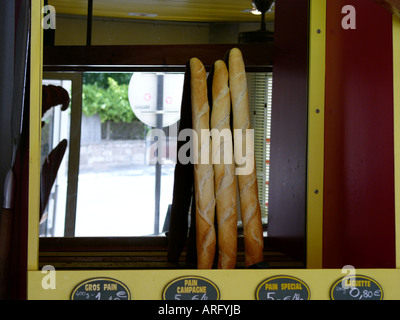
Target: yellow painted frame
(396,116)
(316,112)
(35,132)
(233,284)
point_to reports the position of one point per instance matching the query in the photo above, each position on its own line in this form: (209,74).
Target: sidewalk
(120,201)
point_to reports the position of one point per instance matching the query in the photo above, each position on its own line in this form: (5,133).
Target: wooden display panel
(243,284)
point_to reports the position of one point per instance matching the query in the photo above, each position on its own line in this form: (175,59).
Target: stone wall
(118,152)
(128,146)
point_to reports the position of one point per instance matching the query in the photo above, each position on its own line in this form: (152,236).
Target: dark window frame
(289,57)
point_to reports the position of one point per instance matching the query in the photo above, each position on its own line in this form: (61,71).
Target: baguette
(247,183)
(224,168)
(203,169)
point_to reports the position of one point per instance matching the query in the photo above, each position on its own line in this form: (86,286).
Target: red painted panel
(359,157)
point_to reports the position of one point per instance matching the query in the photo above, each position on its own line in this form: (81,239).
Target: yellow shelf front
(233,284)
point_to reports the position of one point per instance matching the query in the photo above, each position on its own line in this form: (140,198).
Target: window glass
(127,152)
(55,128)
(122,190)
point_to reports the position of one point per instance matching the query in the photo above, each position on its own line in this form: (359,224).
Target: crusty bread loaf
(248,190)
(203,168)
(224,168)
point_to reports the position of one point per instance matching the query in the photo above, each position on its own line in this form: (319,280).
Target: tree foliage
(101,78)
(107,99)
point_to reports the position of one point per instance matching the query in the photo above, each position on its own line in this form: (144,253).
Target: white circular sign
(143,97)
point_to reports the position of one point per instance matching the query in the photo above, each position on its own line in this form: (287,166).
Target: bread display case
(326,167)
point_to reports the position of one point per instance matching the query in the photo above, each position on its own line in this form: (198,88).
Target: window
(55,128)
(116,188)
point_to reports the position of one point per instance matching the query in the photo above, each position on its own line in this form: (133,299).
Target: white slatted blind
(260,96)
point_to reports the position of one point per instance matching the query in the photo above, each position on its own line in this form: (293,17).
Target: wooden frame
(135,58)
(127,58)
(289,238)
(288,180)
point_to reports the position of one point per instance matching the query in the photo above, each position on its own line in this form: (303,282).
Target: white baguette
(224,168)
(203,169)
(248,190)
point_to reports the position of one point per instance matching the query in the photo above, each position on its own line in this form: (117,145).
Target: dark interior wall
(14,24)
(7,41)
(287,198)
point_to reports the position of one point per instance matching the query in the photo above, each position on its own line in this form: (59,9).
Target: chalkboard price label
(356,287)
(282,288)
(101,289)
(191,288)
